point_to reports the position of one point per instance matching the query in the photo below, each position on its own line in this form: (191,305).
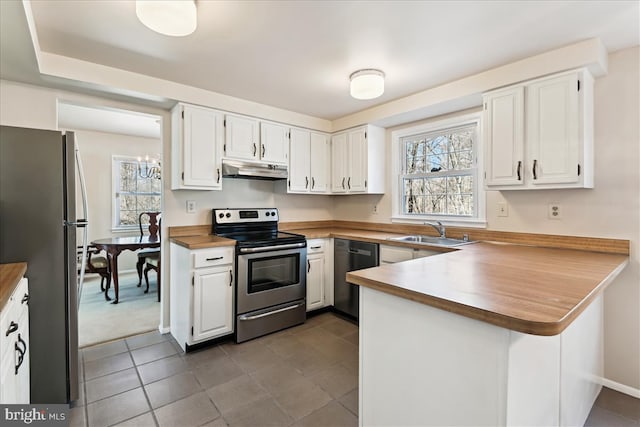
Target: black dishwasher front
(350,255)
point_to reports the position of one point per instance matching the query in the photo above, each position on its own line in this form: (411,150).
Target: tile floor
(304,376)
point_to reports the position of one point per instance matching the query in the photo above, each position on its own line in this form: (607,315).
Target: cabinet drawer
(315,246)
(390,255)
(212,257)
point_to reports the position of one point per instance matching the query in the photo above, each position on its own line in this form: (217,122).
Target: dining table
(113,246)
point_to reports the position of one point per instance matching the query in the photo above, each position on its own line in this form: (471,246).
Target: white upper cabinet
(504,125)
(539,134)
(357,160)
(299,165)
(198,135)
(274,143)
(242,139)
(309,162)
(320,168)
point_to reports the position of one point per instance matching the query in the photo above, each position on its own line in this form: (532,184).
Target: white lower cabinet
(14,347)
(319,273)
(202,294)
(392,254)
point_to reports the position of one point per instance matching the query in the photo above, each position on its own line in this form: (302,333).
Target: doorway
(120,154)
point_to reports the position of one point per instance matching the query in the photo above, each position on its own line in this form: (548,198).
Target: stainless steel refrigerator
(38,225)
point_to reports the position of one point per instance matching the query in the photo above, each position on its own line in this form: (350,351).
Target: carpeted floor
(100,321)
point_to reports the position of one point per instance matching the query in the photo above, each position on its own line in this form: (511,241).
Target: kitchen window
(133,193)
(436,172)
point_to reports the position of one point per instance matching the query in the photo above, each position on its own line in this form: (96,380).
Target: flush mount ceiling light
(170,17)
(367,84)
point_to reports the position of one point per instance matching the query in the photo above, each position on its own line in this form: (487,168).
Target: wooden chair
(154,230)
(152,264)
(97,264)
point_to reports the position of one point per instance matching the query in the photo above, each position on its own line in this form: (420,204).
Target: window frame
(478,219)
(115,193)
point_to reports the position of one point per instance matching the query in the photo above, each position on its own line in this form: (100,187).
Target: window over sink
(436,171)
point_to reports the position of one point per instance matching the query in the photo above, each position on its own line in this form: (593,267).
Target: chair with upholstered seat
(97,264)
(152,264)
(151,253)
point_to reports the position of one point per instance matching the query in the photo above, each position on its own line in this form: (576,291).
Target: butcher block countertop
(203,241)
(528,289)
(10,275)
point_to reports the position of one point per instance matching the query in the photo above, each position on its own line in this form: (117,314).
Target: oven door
(270,278)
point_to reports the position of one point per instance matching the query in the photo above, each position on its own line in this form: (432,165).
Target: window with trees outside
(133,193)
(438,171)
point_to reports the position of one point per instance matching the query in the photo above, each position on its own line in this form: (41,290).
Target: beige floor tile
(237,392)
(144,420)
(259,358)
(340,327)
(302,399)
(171,389)
(600,417)
(153,352)
(115,409)
(216,372)
(100,351)
(336,380)
(284,345)
(162,368)
(308,360)
(205,355)
(350,401)
(107,365)
(332,414)
(261,413)
(619,403)
(77,417)
(276,379)
(218,422)
(353,338)
(231,348)
(194,410)
(112,384)
(144,340)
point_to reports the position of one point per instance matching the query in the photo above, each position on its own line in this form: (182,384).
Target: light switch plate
(191,206)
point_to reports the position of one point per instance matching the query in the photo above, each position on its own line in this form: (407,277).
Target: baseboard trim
(164,330)
(622,388)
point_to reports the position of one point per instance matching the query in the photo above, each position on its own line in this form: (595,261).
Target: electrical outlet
(503,209)
(554,211)
(375,209)
(191,206)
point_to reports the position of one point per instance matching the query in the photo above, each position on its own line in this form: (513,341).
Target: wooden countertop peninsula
(528,289)
(202,242)
(10,275)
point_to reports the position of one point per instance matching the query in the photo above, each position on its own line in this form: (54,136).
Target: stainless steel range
(270,271)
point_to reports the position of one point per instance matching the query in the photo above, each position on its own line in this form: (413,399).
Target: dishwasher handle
(359,252)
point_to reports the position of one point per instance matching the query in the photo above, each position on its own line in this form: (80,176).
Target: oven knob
(268,213)
(273,214)
(228,215)
(221,215)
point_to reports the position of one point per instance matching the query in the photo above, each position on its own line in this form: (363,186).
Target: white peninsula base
(422,366)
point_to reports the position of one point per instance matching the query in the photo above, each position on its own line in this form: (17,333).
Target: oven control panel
(233,216)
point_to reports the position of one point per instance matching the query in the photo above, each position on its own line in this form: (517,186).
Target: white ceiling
(297,55)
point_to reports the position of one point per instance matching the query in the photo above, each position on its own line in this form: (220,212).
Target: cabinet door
(339,150)
(315,281)
(212,303)
(358,154)
(202,136)
(553,130)
(241,138)
(504,136)
(274,143)
(299,162)
(320,162)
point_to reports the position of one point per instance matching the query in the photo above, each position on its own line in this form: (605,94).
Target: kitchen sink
(429,240)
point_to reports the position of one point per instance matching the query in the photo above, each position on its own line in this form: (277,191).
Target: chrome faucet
(439,228)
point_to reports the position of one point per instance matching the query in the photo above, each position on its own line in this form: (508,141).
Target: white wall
(97,150)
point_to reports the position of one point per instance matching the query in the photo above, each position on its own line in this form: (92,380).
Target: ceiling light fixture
(169,17)
(367,84)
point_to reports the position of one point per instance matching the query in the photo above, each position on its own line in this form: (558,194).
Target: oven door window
(273,272)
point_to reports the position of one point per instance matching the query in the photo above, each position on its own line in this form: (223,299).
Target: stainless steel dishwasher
(350,255)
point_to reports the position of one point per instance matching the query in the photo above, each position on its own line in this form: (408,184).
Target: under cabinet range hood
(252,170)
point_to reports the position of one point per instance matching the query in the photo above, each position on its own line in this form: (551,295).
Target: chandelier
(150,168)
